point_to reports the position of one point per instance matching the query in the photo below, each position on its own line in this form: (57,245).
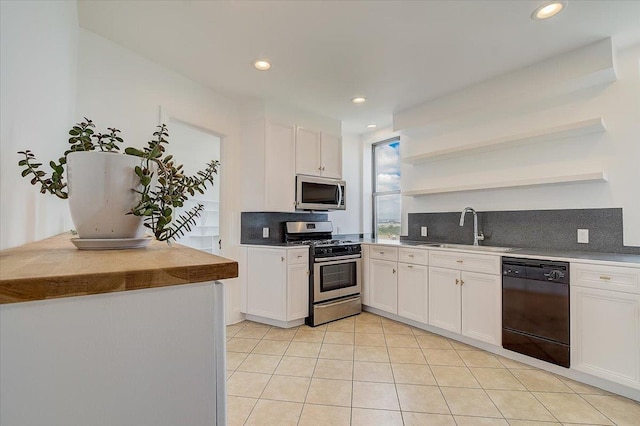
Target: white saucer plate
(110,243)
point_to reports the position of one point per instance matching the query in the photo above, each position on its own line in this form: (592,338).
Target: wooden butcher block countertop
(55,268)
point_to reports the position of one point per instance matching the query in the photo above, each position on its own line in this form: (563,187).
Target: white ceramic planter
(101,193)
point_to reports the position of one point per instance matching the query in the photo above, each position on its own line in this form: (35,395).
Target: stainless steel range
(335,268)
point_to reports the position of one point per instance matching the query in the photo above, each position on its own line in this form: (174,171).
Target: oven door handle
(339,302)
(337,258)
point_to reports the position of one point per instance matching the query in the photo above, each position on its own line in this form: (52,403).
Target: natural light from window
(386,189)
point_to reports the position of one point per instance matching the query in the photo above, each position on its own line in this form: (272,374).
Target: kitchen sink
(470,247)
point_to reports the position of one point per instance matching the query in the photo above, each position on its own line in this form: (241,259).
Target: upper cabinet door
(308,152)
(280,168)
(331,156)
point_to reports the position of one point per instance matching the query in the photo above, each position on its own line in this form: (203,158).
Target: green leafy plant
(158,200)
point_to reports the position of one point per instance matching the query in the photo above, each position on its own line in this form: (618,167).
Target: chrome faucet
(476,237)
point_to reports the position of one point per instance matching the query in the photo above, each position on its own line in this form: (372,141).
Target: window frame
(374,193)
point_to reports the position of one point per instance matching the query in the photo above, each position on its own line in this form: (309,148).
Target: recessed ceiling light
(261,64)
(548,10)
(358,100)
(371,126)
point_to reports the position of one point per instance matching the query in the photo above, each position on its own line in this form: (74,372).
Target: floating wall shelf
(569,130)
(518,183)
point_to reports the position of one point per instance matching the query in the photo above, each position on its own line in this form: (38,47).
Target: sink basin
(470,247)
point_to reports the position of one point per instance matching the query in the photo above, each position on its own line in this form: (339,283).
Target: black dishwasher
(535,309)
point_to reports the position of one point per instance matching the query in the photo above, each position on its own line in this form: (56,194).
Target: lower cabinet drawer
(383,253)
(483,263)
(605,277)
(415,256)
(297,256)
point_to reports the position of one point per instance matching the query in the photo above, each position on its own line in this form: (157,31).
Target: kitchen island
(126,337)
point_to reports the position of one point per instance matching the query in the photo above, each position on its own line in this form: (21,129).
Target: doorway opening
(194,147)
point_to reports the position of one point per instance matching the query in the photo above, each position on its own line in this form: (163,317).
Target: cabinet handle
(459,261)
(410,255)
(299,256)
(282,258)
(604,277)
(457,281)
(410,266)
(381,252)
(394,271)
(323,168)
(307,272)
(319,168)
(461,282)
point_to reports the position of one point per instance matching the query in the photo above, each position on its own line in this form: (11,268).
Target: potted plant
(114,197)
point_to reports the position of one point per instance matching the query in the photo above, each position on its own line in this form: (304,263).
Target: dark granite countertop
(567,256)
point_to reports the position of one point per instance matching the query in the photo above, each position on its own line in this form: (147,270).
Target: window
(386,189)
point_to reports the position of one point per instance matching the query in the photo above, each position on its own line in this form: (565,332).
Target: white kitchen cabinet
(318,154)
(485,263)
(267,283)
(308,152)
(413,291)
(331,156)
(297,291)
(482,307)
(468,301)
(365,274)
(383,285)
(278,284)
(605,322)
(445,304)
(269,176)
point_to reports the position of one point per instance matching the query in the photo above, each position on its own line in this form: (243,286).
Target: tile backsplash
(545,229)
(251,224)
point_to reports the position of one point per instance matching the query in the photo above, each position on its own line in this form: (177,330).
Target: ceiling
(397,54)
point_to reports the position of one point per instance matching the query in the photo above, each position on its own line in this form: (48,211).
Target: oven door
(336,277)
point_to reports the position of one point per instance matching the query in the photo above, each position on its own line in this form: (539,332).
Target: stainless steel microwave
(319,193)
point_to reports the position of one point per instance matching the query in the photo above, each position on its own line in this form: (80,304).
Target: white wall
(117,87)
(616,151)
(38,53)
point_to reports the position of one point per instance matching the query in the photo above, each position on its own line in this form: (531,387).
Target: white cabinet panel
(485,263)
(298,256)
(307,152)
(318,154)
(365,274)
(413,255)
(297,291)
(383,285)
(331,156)
(267,277)
(268,178)
(466,302)
(280,166)
(445,299)
(606,277)
(383,253)
(413,292)
(482,307)
(605,334)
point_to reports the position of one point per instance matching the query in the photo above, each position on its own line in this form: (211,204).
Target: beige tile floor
(368,370)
